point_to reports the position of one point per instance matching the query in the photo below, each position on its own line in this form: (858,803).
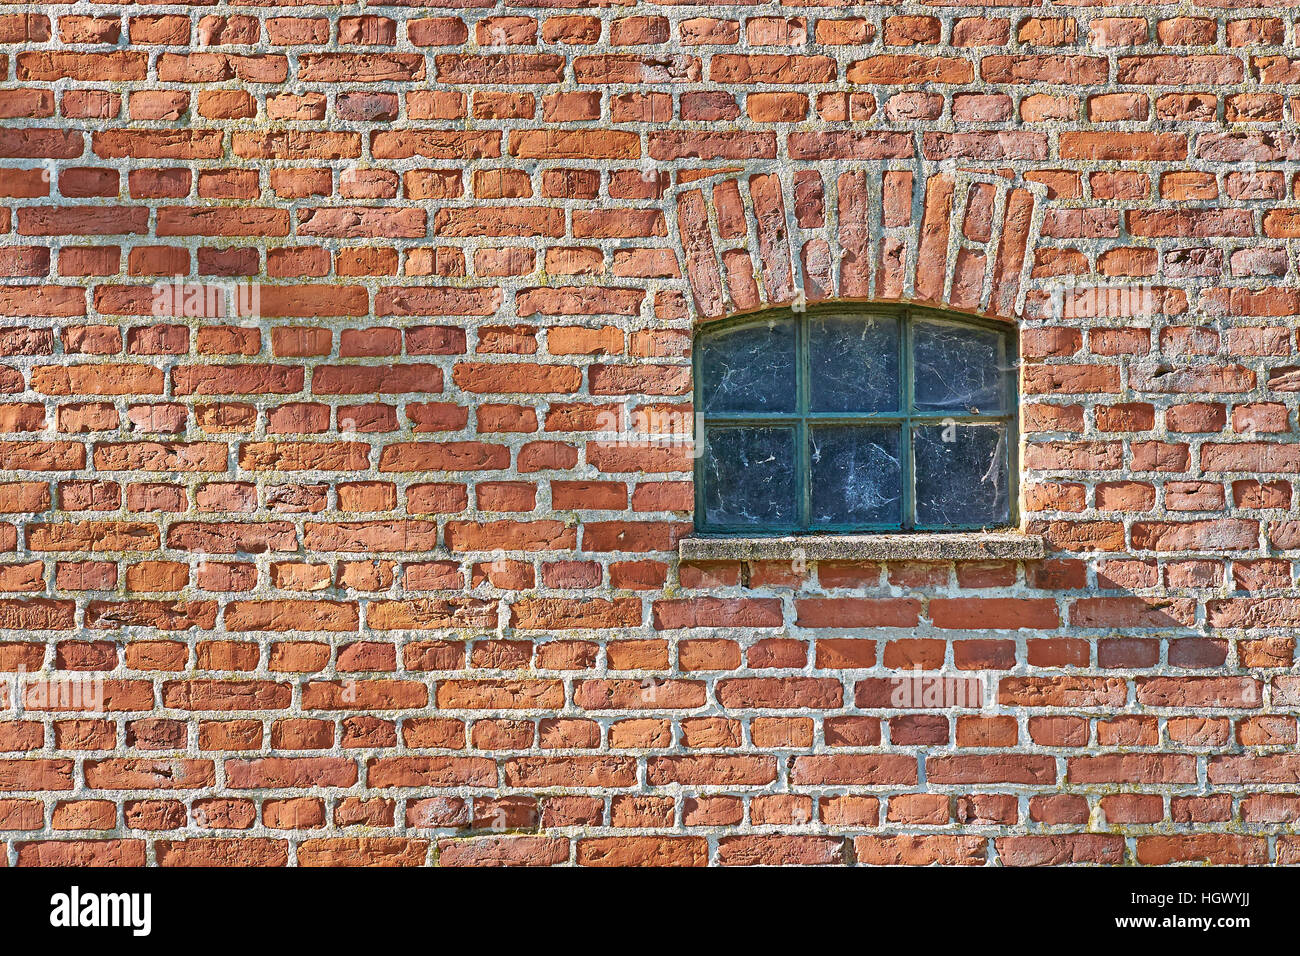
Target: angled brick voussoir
(767,236)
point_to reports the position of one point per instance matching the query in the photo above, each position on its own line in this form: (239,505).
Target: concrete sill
(956,546)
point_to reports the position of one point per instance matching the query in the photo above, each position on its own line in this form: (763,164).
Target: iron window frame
(906,418)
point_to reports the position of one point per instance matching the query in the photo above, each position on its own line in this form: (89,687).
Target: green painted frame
(905,419)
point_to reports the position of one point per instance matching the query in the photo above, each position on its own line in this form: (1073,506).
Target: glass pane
(749,477)
(749,369)
(856,475)
(961,476)
(853,363)
(958,368)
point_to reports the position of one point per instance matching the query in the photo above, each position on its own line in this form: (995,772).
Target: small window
(848,420)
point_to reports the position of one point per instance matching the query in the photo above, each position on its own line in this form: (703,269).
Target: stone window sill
(959,546)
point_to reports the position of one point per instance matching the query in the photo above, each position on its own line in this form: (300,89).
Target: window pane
(961,476)
(856,475)
(853,363)
(749,477)
(749,369)
(959,368)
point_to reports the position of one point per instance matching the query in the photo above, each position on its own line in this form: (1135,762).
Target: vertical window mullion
(1011,389)
(698,421)
(804,463)
(905,407)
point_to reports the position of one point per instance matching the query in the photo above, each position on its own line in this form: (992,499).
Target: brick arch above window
(756,238)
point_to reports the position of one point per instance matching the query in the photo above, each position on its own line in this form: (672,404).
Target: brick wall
(362,574)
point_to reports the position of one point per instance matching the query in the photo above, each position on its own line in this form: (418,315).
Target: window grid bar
(803,387)
(850,418)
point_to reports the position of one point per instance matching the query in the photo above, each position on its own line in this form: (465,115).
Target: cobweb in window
(961,476)
(856,475)
(750,369)
(750,476)
(853,364)
(958,368)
